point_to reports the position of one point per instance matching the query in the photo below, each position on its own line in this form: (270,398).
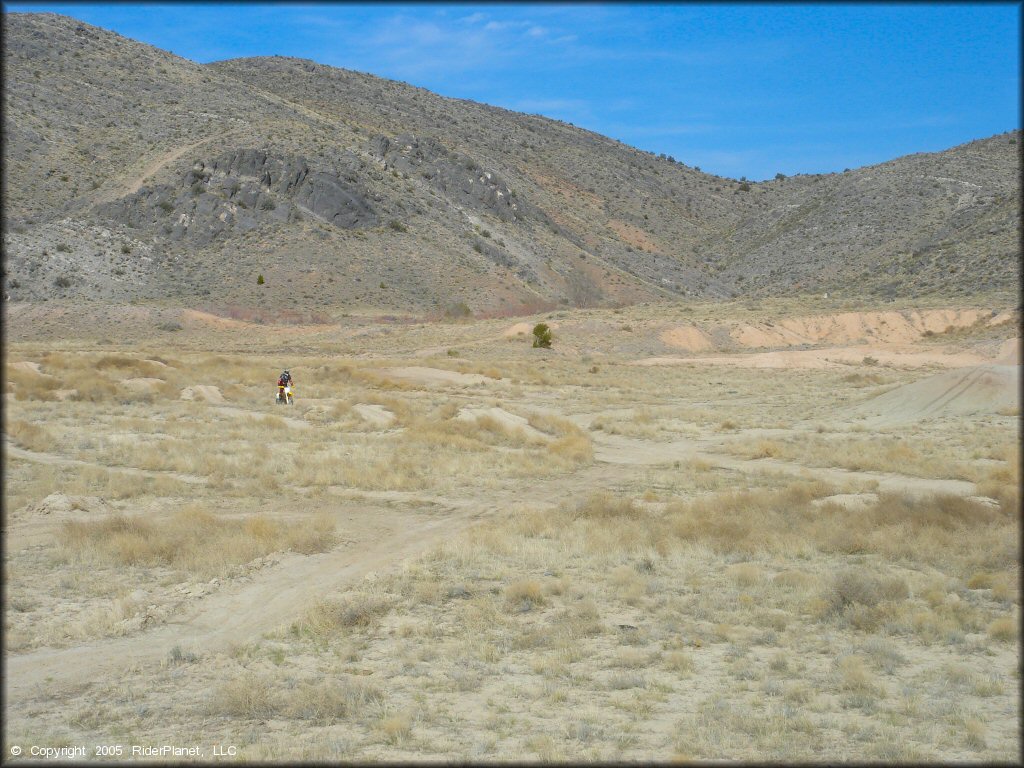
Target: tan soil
(979,389)
(834,357)
(435,375)
(28,366)
(377,415)
(632,235)
(1009,352)
(206,392)
(509,421)
(519,329)
(687,337)
(847,327)
(143,384)
(194,317)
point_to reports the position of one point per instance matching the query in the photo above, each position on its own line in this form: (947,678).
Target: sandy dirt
(918,383)
(205,392)
(375,414)
(834,357)
(960,392)
(1009,352)
(687,337)
(435,375)
(847,327)
(510,421)
(239,612)
(143,383)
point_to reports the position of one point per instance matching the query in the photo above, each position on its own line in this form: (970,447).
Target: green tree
(259,279)
(542,336)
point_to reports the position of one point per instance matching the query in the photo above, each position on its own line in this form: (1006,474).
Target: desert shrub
(1003,629)
(604,505)
(541,336)
(457,310)
(325,702)
(576,449)
(248,696)
(524,595)
(854,587)
(355,610)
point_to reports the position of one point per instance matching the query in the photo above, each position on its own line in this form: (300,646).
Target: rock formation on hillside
(132,173)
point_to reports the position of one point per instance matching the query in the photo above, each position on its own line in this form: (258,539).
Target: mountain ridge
(163,187)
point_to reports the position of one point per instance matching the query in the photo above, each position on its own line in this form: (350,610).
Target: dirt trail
(616,449)
(240,613)
(289,420)
(436,376)
(831,357)
(236,614)
(134,184)
(963,391)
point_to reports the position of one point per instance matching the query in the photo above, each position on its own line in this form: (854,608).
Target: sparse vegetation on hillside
(385,162)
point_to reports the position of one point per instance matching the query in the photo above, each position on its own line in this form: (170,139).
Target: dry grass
(192,540)
(724,616)
(1003,629)
(918,456)
(30,436)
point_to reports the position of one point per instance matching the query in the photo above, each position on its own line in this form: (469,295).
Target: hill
(134,174)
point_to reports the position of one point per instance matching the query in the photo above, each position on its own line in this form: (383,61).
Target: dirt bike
(284,395)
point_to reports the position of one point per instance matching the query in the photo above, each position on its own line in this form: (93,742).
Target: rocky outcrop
(459,177)
(240,190)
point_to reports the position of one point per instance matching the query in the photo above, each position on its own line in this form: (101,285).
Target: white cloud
(498,26)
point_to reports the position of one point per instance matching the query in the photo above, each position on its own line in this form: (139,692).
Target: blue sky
(738,90)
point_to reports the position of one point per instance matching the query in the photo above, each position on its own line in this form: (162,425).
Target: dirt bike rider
(284,380)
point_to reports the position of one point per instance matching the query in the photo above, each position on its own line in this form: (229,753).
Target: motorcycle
(284,395)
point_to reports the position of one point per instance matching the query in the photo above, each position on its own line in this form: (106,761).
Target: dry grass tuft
(1003,629)
(395,728)
(524,595)
(680,662)
(356,610)
(554,425)
(248,696)
(744,574)
(326,702)
(29,385)
(766,449)
(574,449)
(854,587)
(602,506)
